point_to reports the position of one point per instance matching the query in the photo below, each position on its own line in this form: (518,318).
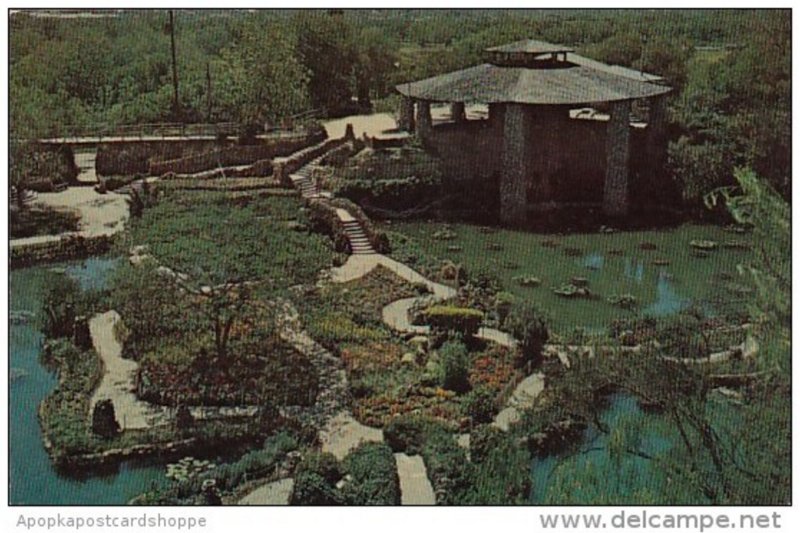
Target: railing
(162,130)
(142,131)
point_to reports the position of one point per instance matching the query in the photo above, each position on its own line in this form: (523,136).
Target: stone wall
(234,155)
(564,161)
(68,247)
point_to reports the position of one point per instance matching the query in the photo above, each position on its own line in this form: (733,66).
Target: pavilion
(561,129)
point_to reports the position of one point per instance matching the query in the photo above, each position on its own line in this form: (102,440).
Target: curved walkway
(274,493)
(118,378)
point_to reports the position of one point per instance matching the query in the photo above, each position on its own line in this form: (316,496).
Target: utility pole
(175,103)
(208,91)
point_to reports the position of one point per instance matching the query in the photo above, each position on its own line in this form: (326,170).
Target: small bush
(104,419)
(462,320)
(323,464)
(527,324)
(447,467)
(480,405)
(407,433)
(373,476)
(455,366)
(313,489)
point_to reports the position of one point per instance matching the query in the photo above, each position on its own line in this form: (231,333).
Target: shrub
(313,489)
(447,466)
(501,477)
(323,464)
(480,405)
(482,440)
(462,320)
(407,433)
(455,366)
(373,476)
(528,325)
(104,419)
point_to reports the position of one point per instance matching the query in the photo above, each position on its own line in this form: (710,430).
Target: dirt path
(101,214)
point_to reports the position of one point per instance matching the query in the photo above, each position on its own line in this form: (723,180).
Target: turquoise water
(595,474)
(32,478)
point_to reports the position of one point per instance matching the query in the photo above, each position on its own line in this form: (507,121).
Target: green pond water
(658,268)
(32,478)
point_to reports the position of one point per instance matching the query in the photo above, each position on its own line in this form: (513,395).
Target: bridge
(93,134)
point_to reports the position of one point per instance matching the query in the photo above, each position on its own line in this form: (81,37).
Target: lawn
(660,269)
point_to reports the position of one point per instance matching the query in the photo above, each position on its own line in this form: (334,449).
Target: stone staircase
(359,243)
(304,182)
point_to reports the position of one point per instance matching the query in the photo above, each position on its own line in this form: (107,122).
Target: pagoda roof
(574,80)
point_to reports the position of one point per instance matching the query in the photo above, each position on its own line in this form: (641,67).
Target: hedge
(373,476)
(463,320)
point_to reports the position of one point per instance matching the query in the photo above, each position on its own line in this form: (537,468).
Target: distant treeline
(731,107)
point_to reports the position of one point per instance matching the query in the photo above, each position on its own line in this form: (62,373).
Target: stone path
(523,397)
(101,214)
(343,433)
(415,487)
(118,377)
(274,493)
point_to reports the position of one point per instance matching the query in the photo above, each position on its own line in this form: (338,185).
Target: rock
(580,282)
(409,358)
(139,249)
(647,246)
(661,262)
(420,342)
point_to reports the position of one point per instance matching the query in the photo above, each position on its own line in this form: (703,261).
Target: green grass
(658,290)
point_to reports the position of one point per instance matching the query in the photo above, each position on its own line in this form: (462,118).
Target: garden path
(343,433)
(118,377)
(101,214)
(275,493)
(415,487)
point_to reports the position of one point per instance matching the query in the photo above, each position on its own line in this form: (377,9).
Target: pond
(659,268)
(32,478)
(593,475)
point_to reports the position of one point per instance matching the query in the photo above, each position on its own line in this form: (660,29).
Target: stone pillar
(657,133)
(406,122)
(424,120)
(615,192)
(458,112)
(514,174)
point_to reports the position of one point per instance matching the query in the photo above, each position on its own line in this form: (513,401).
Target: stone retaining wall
(234,155)
(67,247)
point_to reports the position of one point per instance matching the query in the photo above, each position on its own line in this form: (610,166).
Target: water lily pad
(661,262)
(527,281)
(625,301)
(704,245)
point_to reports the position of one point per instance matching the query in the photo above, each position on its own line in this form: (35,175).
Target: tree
(262,78)
(528,325)
(104,419)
